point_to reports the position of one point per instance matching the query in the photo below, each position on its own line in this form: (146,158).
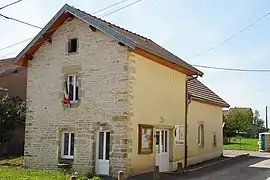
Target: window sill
(72,53)
(200,146)
(67,158)
(65,163)
(74,102)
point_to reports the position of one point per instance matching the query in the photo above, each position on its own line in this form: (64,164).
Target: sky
(184,27)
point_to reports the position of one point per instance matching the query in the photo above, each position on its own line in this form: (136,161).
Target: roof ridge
(109,23)
(112,24)
(131,39)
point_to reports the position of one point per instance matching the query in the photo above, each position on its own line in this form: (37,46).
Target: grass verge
(11,168)
(11,173)
(238,143)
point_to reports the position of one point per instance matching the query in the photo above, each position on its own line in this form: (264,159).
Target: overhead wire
(232,69)
(32,25)
(10,4)
(106,14)
(26,23)
(196,65)
(110,6)
(103,15)
(227,40)
(233,36)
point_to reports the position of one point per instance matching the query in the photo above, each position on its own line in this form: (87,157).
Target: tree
(237,120)
(12,115)
(257,120)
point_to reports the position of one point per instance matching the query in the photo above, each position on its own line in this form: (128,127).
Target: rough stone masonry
(103,70)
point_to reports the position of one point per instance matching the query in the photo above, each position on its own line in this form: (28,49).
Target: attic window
(72,45)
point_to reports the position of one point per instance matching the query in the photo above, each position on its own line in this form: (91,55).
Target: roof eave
(197,72)
(87,19)
(11,71)
(184,65)
(224,105)
(46,27)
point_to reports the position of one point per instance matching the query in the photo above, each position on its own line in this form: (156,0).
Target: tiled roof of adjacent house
(198,90)
(241,109)
(129,38)
(6,66)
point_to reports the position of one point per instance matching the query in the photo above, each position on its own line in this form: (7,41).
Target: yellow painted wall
(211,116)
(158,99)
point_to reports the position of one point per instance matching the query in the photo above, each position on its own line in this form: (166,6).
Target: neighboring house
(103,99)
(256,130)
(13,78)
(13,81)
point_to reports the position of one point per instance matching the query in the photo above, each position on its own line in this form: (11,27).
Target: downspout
(186,119)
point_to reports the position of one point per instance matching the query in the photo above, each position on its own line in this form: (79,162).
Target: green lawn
(8,173)
(243,144)
(11,168)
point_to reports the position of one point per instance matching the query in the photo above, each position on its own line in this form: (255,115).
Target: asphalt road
(254,167)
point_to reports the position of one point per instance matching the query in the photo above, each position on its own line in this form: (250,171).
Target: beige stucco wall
(101,65)
(211,117)
(158,99)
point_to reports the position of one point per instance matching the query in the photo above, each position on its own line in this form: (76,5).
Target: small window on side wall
(67,148)
(214,140)
(72,45)
(200,139)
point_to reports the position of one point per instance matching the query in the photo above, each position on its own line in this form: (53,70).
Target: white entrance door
(162,150)
(103,153)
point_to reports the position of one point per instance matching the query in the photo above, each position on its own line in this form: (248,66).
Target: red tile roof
(6,66)
(198,90)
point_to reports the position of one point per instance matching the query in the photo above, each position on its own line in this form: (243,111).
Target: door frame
(157,161)
(97,160)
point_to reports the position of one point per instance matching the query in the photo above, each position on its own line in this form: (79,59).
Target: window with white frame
(73,88)
(179,134)
(200,139)
(67,149)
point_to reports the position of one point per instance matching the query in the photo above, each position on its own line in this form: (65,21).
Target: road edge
(218,162)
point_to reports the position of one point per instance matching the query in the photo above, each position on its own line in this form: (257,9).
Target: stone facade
(104,91)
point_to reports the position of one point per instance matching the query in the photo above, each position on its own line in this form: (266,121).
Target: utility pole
(266,120)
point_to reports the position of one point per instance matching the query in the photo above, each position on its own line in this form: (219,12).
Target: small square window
(72,45)
(67,149)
